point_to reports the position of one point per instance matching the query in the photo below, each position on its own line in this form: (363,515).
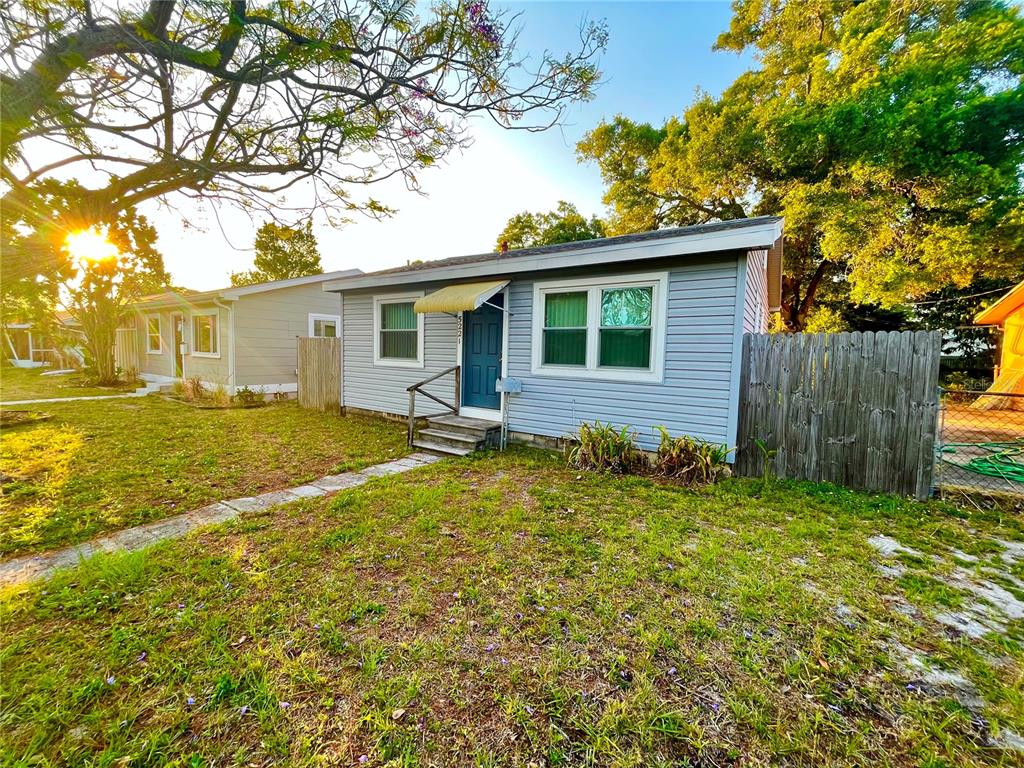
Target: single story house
(1008,314)
(640,330)
(234,337)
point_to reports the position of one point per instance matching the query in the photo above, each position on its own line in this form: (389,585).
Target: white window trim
(160,334)
(396,298)
(658,281)
(192,331)
(314,316)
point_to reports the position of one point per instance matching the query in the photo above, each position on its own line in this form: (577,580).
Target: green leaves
(565,224)
(282,253)
(887,133)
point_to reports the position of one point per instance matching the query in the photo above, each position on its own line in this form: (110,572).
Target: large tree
(243,102)
(565,224)
(99,289)
(887,132)
(282,252)
(96,292)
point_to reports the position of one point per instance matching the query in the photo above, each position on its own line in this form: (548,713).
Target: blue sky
(658,54)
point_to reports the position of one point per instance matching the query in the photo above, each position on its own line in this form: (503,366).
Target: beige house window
(153,336)
(205,341)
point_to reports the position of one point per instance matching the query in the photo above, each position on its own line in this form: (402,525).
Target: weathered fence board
(856,409)
(319,364)
(126,351)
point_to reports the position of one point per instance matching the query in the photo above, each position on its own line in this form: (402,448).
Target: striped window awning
(464,297)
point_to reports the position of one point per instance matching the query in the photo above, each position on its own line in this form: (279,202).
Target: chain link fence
(981,442)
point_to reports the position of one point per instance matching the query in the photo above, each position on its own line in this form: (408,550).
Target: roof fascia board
(232,294)
(760,236)
(1007,304)
(244,290)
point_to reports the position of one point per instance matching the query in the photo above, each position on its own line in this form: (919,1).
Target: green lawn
(102,465)
(505,611)
(31,384)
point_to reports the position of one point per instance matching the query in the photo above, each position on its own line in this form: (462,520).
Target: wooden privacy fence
(319,373)
(126,351)
(855,409)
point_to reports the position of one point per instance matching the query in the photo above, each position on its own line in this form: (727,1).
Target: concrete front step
(451,450)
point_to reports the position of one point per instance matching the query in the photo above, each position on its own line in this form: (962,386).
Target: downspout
(231,342)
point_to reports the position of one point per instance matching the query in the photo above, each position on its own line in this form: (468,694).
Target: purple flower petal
(285,704)
(363,758)
(244,709)
(110,680)
(190,701)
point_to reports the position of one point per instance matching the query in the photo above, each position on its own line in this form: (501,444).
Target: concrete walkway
(22,570)
(140,392)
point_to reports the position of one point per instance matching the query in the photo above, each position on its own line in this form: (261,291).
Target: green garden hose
(1002,460)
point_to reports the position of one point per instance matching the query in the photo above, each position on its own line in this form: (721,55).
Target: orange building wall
(1011,356)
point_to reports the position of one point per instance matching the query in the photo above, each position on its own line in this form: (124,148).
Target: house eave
(235,293)
(1009,303)
(761,234)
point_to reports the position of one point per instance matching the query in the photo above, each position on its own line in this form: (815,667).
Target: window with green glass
(624,337)
(399,331)
(565,328)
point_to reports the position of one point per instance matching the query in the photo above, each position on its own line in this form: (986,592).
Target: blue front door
(481,355)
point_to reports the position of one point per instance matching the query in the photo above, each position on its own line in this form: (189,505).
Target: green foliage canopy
(887,132)
(565,224)
(282,253)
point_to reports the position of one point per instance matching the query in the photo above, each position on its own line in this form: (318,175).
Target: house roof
(186,296)
(738,234)
(1007,305)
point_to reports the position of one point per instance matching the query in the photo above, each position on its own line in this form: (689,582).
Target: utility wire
(957,298)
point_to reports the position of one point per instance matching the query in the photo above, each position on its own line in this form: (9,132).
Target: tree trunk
(797,300)
(100,346)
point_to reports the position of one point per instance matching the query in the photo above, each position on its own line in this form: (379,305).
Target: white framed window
(154,343)
(610,328)
(205,334)
(397,331)
(325,326)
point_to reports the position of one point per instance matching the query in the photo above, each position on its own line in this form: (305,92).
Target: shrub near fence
(855,409)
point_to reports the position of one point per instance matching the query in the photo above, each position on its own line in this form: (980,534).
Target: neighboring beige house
(235,337)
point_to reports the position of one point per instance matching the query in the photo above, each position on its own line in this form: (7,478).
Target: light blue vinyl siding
(696,396)
(755,303)
(382,388)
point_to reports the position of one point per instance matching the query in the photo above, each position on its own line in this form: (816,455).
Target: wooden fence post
(319,373)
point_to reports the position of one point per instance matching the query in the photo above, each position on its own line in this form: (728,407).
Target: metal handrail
(417,387)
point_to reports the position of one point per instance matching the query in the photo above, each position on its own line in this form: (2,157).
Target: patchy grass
(108,464)
(30,384)
(502,610)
